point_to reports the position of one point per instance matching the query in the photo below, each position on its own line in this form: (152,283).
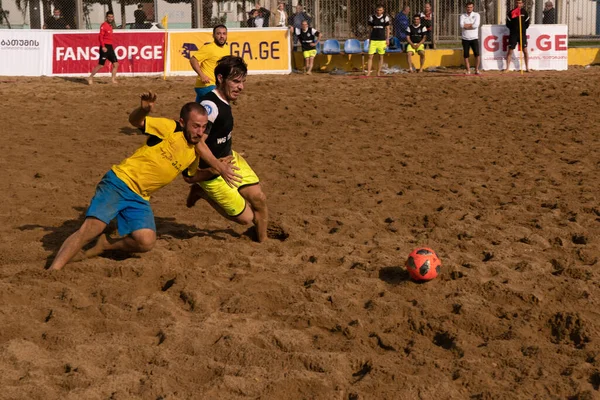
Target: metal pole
(200,13)
(79,17)
(156,17)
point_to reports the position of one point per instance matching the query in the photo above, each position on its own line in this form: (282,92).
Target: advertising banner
(139,53)
(266,51)
(547,46)
(24,52)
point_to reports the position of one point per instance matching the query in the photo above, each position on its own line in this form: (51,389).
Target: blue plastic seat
(366,46)
(395,46)
(331,46)
(352,46)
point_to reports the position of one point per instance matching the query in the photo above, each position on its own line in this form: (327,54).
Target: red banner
(137,52)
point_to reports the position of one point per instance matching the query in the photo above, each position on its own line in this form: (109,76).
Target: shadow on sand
(166,227)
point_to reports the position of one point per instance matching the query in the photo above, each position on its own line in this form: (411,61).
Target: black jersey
(379,25)
(306,38)
(220,126)
(416,33)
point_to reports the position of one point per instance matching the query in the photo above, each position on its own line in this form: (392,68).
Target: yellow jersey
(208,56)
(164,156)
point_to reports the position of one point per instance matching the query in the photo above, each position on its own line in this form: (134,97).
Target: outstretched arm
(138,116)
(225,169)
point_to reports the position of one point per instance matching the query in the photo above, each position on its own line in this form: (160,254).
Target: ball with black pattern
(423,264)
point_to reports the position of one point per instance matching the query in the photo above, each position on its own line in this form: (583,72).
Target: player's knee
(146,243)
(258,199)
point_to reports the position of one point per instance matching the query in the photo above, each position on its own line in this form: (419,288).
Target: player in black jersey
(379,38)
(246,203)
(415,36)
(308,38)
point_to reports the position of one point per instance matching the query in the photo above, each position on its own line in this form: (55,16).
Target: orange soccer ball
(423,264)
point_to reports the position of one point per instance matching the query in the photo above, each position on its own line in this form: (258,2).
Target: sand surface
(500,174)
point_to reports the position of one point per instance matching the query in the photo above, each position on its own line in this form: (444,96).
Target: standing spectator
(279,18)
(299,16)
(401,23)
(205,61)
(56,21)
(380,37)
(140,17)
(427,22)
(469,23)
(259,17)
(296,19)
(416,35)
(308,38)
(106,49)
(252,18)
(549,13)
(513,24)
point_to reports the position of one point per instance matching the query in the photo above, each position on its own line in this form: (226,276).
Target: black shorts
(514,39)
(109,55)
(470,44)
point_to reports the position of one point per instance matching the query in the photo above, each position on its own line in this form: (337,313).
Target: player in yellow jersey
(124,191)
(205,60)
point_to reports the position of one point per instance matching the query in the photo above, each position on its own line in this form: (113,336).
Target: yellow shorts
(377,46)
(410,49)
(230,199)
(309,53)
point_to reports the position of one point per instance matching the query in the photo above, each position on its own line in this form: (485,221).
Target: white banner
(547,46)
(25,52)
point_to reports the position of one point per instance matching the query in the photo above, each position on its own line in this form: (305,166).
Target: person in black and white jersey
(380,37)
(308,38)
(246,203)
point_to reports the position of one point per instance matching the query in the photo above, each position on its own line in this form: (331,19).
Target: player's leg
(422,57)
(90,229)
(465,44)
(98,67)
(409,55)
(115,67)
(310,62)
(370,64)
(526,55)
(258,202)
(139,241)
(380,66)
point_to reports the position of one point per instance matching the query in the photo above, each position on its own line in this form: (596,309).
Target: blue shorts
(113,198)
(201,91)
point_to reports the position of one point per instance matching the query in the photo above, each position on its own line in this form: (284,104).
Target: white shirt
(282,18)
(472,18)
(259,21)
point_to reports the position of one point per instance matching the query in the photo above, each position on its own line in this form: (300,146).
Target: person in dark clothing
(56,21)
(259,17)
(401,23)
(140,17)
(516,35)
(549,13)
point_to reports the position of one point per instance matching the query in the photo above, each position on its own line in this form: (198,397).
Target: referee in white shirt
(469,23)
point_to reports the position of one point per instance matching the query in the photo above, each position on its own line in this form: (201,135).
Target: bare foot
(114,82)
(477,72)
(90,81)
(99,247)
(196,193)
(309,73)
(420,70)
(468,72)
(411,71)
(368,73)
